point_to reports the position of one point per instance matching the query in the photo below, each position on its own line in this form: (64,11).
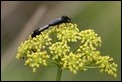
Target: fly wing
(55,22)
(43,28)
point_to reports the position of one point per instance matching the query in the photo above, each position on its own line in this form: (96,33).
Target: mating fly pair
(58,21)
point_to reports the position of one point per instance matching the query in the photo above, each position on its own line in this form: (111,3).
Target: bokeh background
(20,18)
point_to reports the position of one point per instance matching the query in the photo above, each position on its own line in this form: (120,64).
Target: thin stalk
(77,48)
(91,67)
(59,72)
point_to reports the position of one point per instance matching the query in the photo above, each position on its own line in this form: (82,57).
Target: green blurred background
(20,18)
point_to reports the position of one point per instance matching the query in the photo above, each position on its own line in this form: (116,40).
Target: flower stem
(77,47)
(59,72)
(91,67)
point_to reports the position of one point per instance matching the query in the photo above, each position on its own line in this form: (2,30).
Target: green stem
(59,72)
(91,67)
(48,52)
(77,48)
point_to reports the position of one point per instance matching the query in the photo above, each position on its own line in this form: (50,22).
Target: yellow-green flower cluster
(68,34)
(53,46)
(59,49)
(36,59)
(90,38)
(72,62)
(107,65)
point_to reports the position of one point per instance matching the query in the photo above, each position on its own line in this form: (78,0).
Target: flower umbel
(46,49)
(72,62)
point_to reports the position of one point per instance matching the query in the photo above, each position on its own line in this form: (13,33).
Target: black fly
(63,19)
